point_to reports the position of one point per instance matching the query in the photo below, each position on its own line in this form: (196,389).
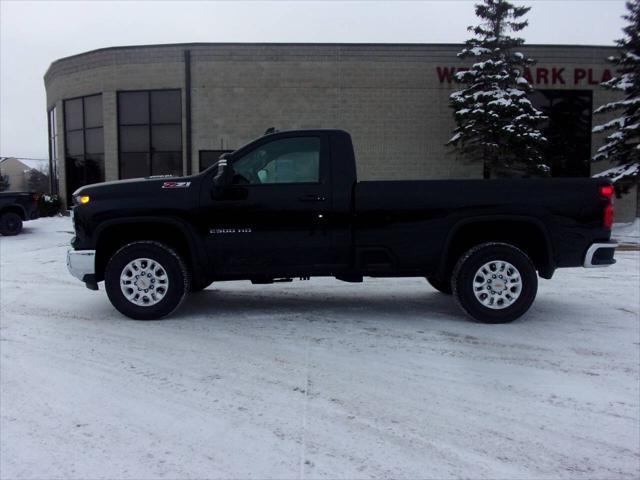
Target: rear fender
(459,238)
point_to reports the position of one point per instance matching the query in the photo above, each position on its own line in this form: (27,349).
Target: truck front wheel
(495,282)
(146,280)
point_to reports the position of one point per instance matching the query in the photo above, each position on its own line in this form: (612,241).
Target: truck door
(272,219)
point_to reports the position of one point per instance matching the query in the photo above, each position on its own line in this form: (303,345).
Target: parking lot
(316,379)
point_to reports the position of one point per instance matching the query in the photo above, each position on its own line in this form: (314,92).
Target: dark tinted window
(94,140)
(75,143)
(73,114)
(134,139)
(93,111)
(567,129)
(166,106)
(134,165)
(150,133)
(166,137)
(84,142)
(53,149)
(133,108)
(166,163)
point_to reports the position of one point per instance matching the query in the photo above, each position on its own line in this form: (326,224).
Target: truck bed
(401,215)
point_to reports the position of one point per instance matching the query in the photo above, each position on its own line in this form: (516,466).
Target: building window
(209,157)
(567,129)
(53,150)
(84,142)
(150,133)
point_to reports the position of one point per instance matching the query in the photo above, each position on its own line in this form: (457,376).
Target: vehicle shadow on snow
(346,305)
(25,231)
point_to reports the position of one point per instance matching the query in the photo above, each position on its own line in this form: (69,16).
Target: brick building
(126,112)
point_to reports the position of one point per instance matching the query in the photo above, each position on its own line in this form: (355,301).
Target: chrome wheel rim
(497,284)
(144,282)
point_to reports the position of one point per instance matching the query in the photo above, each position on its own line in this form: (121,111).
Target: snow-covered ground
(316,379)
(627,233)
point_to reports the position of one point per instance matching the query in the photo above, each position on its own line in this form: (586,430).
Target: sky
(35,33)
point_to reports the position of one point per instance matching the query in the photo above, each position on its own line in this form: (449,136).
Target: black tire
(441,286)
(168,260)
(10,224)
(464,275)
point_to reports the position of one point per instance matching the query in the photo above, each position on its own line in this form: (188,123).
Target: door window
(289,160)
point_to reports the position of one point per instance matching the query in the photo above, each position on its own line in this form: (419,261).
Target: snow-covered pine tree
(4,182)
(622,145)
(496,122)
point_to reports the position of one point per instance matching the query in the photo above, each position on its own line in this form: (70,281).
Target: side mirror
(224,174)
(223,181)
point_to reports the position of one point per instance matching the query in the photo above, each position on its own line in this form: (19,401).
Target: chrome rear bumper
(600,255)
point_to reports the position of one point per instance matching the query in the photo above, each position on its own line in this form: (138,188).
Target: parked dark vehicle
(15,208)
(289,205)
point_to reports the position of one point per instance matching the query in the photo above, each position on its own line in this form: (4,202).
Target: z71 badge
(176,184)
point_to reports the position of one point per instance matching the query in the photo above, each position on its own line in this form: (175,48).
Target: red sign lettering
(445,74)
(556,76)
(578,75)
(540,75)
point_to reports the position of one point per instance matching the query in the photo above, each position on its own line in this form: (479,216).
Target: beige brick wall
(388,97)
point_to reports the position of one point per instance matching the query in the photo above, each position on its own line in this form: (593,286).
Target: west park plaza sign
(543,76)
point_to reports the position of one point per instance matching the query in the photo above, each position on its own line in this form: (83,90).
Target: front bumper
(600,255)
(82,265)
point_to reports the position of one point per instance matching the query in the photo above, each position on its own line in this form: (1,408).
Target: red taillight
(607,192)
(607,218)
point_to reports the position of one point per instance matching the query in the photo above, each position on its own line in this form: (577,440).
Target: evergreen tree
(622,144)
(496,122)
(37,181)
(4,182)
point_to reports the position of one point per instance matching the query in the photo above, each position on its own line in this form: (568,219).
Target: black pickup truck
(289,205)
(15,208)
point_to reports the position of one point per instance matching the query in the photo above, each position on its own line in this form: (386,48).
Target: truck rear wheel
(10,224)
(495,282)
(146,280)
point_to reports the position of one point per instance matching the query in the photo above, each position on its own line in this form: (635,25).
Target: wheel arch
(112,235)
(526,233)
(18,209)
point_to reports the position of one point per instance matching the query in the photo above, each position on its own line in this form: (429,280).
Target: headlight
(82,199)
